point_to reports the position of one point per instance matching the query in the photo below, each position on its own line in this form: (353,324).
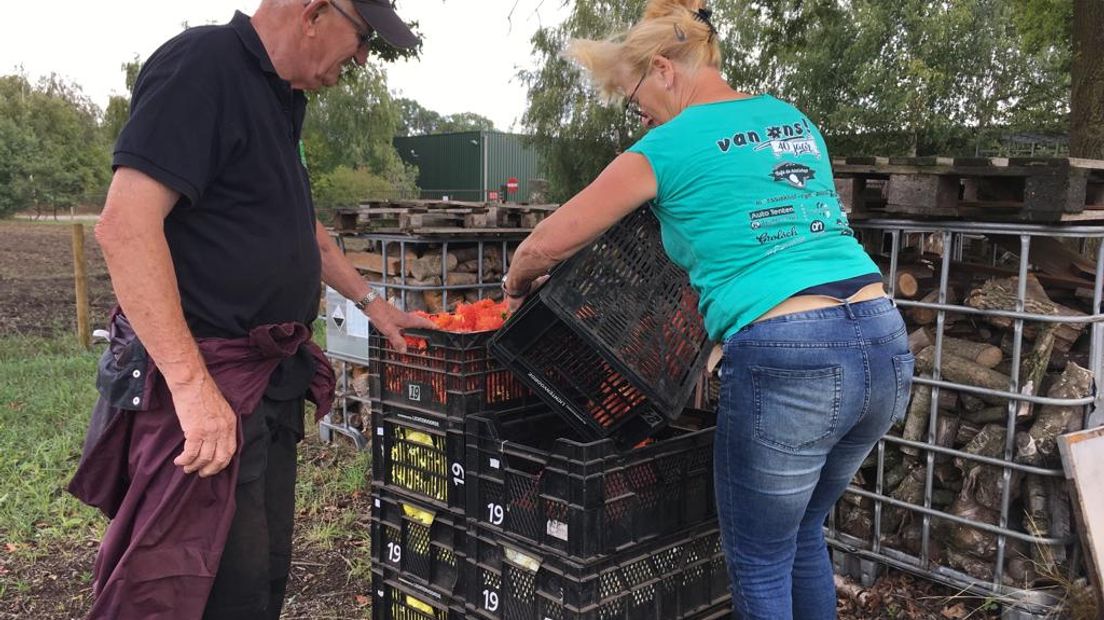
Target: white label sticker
(379,431)
(356,323)
(495,463)
(557,529)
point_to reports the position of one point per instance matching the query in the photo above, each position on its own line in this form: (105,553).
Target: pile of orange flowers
(481,316)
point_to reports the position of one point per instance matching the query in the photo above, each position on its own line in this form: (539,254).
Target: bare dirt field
(36,278)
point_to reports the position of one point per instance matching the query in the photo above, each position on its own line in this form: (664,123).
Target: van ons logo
(786,138)
(796,175)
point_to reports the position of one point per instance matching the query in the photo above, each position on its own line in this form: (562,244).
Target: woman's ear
(666,70)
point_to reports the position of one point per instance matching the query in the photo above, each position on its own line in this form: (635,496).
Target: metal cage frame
(953,234)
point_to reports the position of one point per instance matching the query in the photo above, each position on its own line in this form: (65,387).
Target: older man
(215,255)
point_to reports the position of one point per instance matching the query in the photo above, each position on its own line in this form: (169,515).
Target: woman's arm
(625,184)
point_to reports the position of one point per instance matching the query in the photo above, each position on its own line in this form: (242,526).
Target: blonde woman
(816,364)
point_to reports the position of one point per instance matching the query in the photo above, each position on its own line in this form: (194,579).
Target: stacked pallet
(1049,190)
(442,218)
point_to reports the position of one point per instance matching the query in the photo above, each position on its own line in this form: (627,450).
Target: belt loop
(848,310)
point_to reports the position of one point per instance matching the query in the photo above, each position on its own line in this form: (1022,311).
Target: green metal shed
(468,165)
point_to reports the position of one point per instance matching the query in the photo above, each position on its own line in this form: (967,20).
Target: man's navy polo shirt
(211,119)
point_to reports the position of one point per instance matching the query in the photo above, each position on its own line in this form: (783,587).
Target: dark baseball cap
(381,16)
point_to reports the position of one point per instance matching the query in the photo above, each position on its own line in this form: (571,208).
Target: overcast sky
(469,60)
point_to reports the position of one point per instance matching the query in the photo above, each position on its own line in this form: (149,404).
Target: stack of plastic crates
(489,503)
(421,399)
(557,527)
(565,528)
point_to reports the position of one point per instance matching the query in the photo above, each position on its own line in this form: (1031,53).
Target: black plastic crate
(614,339)
(396,598)
(452,374)
(683,577)
(584,499)
(420,454)
(418,542)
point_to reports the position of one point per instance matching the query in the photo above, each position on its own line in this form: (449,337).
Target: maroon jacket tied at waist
(160,553)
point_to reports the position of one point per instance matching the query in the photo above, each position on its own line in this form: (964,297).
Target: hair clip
(705,16)
(680,34)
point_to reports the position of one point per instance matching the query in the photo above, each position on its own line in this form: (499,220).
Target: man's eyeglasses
(363,36)
(631,106)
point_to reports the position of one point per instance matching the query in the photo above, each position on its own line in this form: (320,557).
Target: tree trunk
(1087,96)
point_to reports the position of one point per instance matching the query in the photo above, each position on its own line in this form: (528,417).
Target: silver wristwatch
(368,298)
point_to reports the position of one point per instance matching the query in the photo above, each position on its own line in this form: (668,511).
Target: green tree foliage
(887,78)
(465,121)
(1087,113)
(349,128)
(575,133)
(347,187)
(118,107)
(416,120)
(52,152)
(115,117)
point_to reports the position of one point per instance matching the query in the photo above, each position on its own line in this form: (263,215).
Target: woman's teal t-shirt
(747,205)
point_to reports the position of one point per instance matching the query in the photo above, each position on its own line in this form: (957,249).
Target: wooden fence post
(80,278)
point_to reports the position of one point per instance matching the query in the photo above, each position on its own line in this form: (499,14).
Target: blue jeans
(804,398)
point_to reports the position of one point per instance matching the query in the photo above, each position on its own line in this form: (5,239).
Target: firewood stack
(977,350)
(356,412)
(428,267)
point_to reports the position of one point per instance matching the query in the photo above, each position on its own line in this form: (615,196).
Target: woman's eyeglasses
(631,106)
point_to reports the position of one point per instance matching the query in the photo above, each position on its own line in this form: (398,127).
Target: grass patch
(47,389)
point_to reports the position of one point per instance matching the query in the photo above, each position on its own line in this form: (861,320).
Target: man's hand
(391,321)
(210,428)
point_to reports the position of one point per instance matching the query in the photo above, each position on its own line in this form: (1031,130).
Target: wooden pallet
(434,217)
(995,189)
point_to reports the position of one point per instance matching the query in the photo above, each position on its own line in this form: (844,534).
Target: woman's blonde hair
(669,28)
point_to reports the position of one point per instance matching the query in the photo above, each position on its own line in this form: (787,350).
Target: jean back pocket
(795,409)
(903,367)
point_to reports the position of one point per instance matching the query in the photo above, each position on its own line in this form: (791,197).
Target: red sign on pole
(512,185)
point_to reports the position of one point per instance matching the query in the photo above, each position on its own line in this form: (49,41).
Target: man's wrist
(369,297)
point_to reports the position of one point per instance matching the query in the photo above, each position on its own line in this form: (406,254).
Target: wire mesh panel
(967,489)
(351,402)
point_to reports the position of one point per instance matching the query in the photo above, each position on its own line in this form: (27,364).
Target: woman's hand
(513,303)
